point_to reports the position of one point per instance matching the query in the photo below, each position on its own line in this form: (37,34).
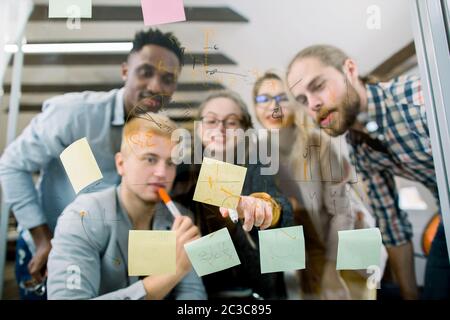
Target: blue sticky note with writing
(70,9)
(282,249)
(358,249)
(212,253)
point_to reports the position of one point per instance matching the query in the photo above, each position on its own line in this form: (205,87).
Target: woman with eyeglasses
(261,206)
(317,184)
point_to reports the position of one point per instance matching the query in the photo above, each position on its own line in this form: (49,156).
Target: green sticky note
(212,253)
(282,249)
(358,249)
(70,9)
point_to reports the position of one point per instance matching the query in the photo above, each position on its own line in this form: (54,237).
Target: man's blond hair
(148,124)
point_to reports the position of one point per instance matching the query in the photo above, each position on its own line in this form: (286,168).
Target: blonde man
(91,237)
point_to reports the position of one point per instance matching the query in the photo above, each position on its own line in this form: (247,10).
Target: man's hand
(38,264)
(186,232)
(360,223)
(255,212)
(159,286)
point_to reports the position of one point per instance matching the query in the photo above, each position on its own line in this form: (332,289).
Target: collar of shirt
(373,121)
(120,208)
(119,112)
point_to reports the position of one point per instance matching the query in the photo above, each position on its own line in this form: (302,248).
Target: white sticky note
(70,9)
(80,165)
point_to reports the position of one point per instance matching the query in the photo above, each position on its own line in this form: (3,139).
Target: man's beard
(347,110)
(155,103)
(149,102)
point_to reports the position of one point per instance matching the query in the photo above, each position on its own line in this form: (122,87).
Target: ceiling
(250,36)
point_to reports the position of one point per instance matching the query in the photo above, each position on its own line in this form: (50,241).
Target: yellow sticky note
(151,252)
(80,164)
(220,183)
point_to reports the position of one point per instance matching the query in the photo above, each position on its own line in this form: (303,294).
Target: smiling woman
(260,206)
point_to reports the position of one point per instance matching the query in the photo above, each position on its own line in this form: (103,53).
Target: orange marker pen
(168,202)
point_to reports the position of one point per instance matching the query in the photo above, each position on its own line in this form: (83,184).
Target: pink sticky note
(162,11)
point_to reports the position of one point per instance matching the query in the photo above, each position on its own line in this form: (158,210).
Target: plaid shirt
(400,147)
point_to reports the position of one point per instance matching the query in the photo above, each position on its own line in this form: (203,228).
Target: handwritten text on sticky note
(212,253)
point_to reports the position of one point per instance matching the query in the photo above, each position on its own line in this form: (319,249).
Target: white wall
(277,30)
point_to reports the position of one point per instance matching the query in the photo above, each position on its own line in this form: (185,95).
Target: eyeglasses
(264,100)
(230,122)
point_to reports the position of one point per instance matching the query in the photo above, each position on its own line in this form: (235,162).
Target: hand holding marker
(168,202)
(174,210)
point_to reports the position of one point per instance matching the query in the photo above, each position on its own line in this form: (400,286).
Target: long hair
(327,55)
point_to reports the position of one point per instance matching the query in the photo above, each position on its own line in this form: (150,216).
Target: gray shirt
(98,116)
(89,256)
